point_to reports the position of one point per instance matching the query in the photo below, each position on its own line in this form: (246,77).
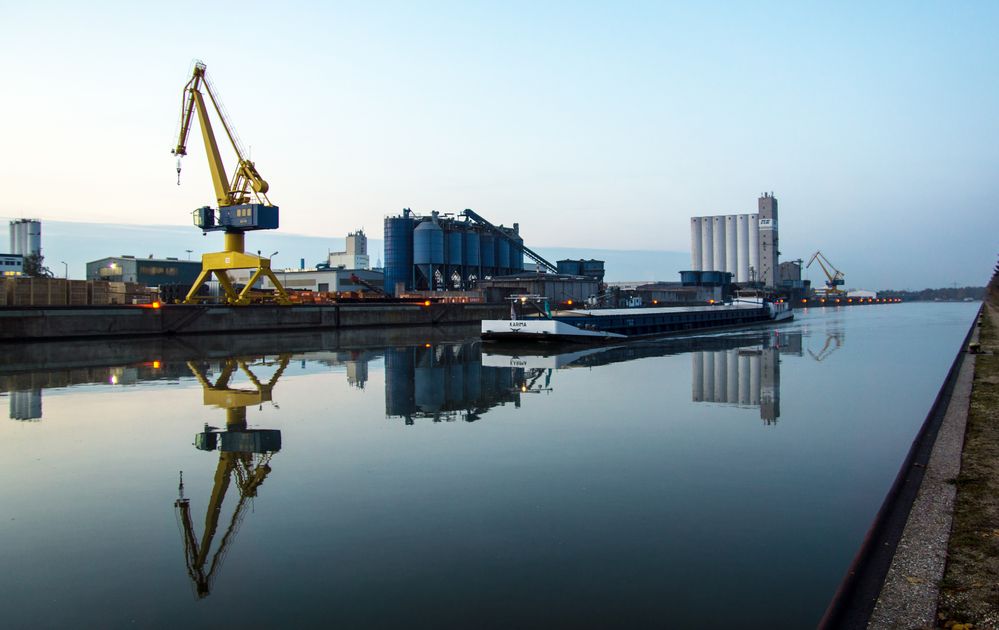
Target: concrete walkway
(908,598)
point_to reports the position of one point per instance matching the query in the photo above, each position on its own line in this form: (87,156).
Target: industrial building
(745,245)
(558,288)
(589,268)
(356,254)
(440,252)
(25,237)
(11,265)
(323,280)
(151,272)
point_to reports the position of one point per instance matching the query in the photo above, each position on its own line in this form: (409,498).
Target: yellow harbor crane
(834,278)
(242,203)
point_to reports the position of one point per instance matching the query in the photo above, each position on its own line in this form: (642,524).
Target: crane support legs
(234,257)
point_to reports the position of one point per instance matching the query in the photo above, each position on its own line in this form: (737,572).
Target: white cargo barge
(610,325)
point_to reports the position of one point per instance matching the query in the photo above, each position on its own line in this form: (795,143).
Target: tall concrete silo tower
(768,240)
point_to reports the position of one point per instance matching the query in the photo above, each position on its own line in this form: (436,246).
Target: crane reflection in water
(244,455)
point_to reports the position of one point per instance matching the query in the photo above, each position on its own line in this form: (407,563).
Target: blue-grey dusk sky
(593,125)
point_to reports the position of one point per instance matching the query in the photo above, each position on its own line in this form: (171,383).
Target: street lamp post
(65,270)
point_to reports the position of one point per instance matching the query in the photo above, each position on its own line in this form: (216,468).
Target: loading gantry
(242,203)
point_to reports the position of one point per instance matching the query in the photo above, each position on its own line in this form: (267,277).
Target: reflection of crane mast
(244,453)
(834,278)
(237,212)
(829,347)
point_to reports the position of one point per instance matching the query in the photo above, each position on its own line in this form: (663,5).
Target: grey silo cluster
(439,252)
(744,245)
(25,237)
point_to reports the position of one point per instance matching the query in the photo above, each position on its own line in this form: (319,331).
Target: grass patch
(968,590)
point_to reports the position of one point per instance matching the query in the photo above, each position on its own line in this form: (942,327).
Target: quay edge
(87,322)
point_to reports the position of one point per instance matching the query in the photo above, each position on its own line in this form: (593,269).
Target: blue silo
(472,260)
(428,250)
(398,252)
(502,255)
(455,247)
(487,249)
(517,250)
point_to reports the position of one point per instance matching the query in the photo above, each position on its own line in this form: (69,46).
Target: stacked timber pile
(60,292)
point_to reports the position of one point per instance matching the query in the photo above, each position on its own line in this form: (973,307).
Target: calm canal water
(426,481)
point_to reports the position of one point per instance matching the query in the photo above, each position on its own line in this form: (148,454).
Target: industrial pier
(58,323)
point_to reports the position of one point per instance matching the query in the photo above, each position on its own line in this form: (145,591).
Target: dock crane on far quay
(242,203)
(834,278)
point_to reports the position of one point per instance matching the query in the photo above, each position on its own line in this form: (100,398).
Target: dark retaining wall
(45,323)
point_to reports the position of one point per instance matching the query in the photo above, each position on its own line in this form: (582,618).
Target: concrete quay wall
(46,323)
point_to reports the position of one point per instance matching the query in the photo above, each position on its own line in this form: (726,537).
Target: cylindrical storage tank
(455,247)
(742,248)
(718,248)
(517,254)
(472,258)
(695,243)
(487,247)
(428,244)
(731,244)
(707,244)
(398,253)
(754,248)
(502,253)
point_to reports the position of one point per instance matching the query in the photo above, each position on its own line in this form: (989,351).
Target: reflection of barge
(610,325)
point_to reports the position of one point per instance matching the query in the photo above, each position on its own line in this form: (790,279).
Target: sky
(594,125)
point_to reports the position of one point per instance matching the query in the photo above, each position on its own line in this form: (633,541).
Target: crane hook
(178,171)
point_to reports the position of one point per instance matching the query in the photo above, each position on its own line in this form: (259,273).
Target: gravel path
(909,595)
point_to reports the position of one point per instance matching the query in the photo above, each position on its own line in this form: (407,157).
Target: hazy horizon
(77,243)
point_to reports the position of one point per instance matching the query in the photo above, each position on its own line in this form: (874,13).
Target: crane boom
(246,178)
(835,277)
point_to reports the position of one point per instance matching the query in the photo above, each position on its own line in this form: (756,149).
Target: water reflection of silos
(721,376)
(732,379)
(697,372)
(473,379)
(744,377)
(26,405)
(504,380)
(754,379)
(400,396)
(770,385)
(455,385)
(709,376)
(429,380)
